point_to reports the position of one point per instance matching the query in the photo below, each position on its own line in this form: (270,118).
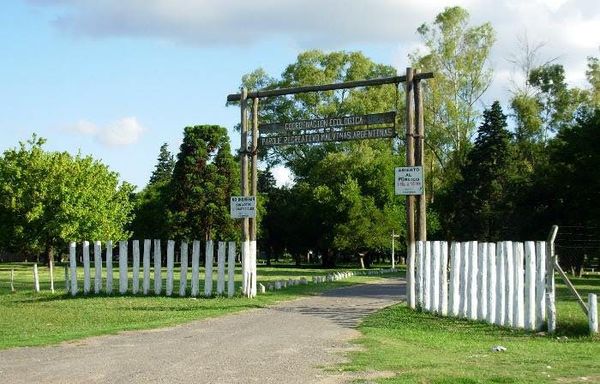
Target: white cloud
(282,175)
(122,132)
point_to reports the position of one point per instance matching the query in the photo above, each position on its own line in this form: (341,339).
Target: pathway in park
(287,343)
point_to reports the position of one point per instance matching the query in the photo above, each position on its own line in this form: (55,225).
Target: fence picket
(109,267)
(73,265)
(183,268)
(435,277)
(209,257)
(454,301)
(519,304)
(420,256)
(97,267)
(500,284)
(472,283)
(491,282)
(136,267)
(170,266)
(146,282)
(86,268)
(157,268)
(510,283)
(123,278)
(540,289)
(231,269)
(195,267)
(427,275)
(221,268)
(464,280)
(530,281)
(482,265)
(444,278)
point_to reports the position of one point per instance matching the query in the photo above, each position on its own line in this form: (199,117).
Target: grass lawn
(28,319)
(418,347)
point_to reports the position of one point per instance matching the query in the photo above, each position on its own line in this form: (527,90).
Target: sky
(116,79)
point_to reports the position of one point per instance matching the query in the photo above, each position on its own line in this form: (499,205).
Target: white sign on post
(243,206)
(409,181)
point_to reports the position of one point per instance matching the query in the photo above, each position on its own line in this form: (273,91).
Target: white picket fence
(501,283)
(225,255)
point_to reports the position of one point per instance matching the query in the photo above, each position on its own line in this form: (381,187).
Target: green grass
(28,318)
(418,347)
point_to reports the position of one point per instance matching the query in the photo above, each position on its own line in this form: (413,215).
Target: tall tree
(458,55)
(204,179)
(479,205)
(50,198)
(164,166)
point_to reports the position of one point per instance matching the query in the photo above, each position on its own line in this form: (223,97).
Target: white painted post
(593,312)
(170,266)
(195,267)
(491,280)
(500,284)
(208,268)
(221,268)
(435,282)
(482,281)
(183,269)
(97,267)
(444,278)
(411,282)
(519,302)
(473,288)
(231,269)
(146,282)
(51,264)
(254,276)
(86,268)
(245,267)
(464,280)
(419,281)
(36,279)
(157,268)
(530,280)
(12,279)
(109,267)
(454,302)
(540,285)
(427,275)
(136,267)
(509,271)
(73,264)
(123,278)
(551,312)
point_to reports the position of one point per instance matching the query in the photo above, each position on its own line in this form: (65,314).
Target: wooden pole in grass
(444,279)
(73,265)
(97,267)
(491,282)
(195,267)
(209,257)
(183,262)
(454,300)
(530,282)
(135,288)
(86,268)
(36,279)
(146,282)
(123,278)
(12,280)
(231,269)
(170,266)
(410,200)
(550,284)
(109,267)
(157,267)
(593,312)
(51,264)
(221,268)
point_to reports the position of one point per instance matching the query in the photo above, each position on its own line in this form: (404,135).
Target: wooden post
(36,279)
(435,275)
(444,279)
(427,275)
(209,257)
(244,190)
(550,285)
(221,268)
(109,267)
(231,269)
(123,278)
(519,303)
(393,253)
(473,272)
(170,266)
(464,280)
(410,200)
(500,285)
(509,272)
(530,281)
(97,267)
(540,284)
(135,288)
(419,280)
(146,282)
(195,267)
(454,301)
(482,281)
(157,267)
(73,265)
(86,267)
(420,157)
(491,281)
(183,262)
(593,312)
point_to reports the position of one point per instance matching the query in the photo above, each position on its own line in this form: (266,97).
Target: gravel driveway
(289,342)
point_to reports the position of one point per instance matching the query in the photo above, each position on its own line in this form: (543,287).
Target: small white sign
(243,206)
(409,181)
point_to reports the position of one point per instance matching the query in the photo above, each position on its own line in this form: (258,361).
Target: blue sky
(116,79)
